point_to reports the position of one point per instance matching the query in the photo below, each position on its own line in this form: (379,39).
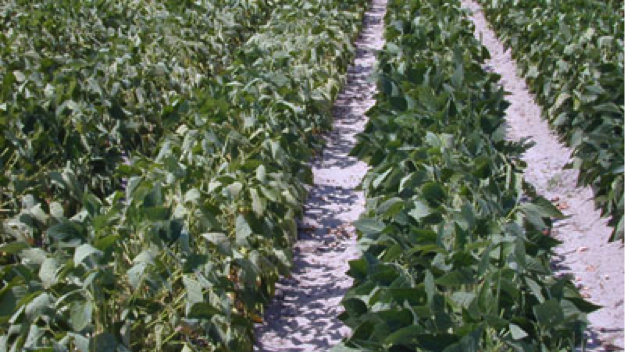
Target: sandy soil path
(303,315)
(597,266)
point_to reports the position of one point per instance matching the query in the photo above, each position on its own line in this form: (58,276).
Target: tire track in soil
(595,264)
(303,314)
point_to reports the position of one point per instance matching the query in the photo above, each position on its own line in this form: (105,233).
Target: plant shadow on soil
(303,314)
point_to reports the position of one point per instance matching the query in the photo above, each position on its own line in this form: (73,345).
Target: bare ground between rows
(595,265)
(303,315)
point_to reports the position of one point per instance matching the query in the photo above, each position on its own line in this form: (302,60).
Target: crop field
(455,258)
(153,165)
(155,168)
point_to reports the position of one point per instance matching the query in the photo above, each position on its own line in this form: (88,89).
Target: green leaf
(81,342)
(463,299)
(535,288)
(546,208)
(257,204)
(517,333)
(619,230)
(13,247)
(193,289)
(270,193)
(261,174)
(33,256)
(64,230)
(243,230)
(534,215)
(39,306)
(380,178)
(136,273)
(405,336)
(390,207)
(519,254)
(398,103)
(549,314)
(607,107)
(420,210)
(434,193)
(47,272)
(456,278)
(430,287)
(107,242)
(484,262)
(104,342)
(83,252)
(80,314)
(369,227)
(220,240)
(19,76)
(192,196)
(468,343)
(201,310)
(458,77)
(235,188)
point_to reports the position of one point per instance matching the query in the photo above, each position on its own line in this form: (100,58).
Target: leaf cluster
(87,84)
(455,256)
(181,252)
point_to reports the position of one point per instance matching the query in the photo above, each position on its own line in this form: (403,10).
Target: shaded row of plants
(571,53)
(183,248)
(456,245)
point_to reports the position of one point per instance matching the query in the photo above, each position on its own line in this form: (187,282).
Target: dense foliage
(456,245)
(178,247)
(572,55)
(87,83)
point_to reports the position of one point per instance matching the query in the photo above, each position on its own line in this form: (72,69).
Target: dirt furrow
(595,264)
(303,315)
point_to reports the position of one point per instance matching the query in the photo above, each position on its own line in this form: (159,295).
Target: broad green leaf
(261,174)
(369,227)
(549,314)
(39,306)
(13,247)
(257,204)
(33,256)
(80,314)
(517,333)
(220,240)
(83,252)
(463,299)
(243,230)
(201,310)
(193,290)
(193,196)
(47,272)
(433,193)
(458,77)
(136,274)
(420,210)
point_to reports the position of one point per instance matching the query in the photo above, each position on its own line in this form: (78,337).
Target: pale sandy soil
(595,264)
(303,315)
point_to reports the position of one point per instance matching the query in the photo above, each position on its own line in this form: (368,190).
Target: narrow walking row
(304,313)
(585,253)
